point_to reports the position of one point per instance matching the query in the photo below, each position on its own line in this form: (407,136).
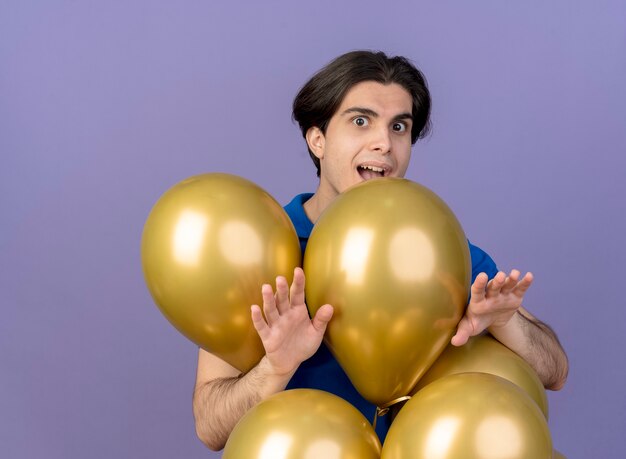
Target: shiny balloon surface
(469,416)
(392,259)
(484,354)
(208,245)
(303,424)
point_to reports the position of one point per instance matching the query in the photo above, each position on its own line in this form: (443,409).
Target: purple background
(105,105)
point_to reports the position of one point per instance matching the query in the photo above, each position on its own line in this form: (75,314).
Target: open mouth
(370,172)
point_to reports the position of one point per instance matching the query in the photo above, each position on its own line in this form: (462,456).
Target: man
(360,116)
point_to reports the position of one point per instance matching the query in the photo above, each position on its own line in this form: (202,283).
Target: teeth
(372,168)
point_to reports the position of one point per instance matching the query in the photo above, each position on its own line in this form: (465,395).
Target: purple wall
(104,105)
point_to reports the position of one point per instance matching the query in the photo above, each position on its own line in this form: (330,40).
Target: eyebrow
(373,114)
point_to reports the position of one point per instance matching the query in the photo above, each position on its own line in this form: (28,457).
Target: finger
(269,304)
(510,282)
(523,285)
(478,287)
(282,295)
(322,317)
(463,332)
(495,285)
(296,292)
(259,323)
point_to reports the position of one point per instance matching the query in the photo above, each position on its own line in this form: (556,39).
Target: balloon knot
(384,409)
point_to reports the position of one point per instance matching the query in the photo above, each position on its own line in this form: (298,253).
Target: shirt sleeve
(481,262)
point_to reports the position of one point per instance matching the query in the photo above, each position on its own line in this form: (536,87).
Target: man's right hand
(289,336)
(223,395)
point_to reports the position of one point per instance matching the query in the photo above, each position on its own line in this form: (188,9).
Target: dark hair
(321,96)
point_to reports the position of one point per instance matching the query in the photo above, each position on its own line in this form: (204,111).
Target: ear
(315,140)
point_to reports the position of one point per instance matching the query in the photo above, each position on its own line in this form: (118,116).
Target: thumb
(322,317)
(463,332)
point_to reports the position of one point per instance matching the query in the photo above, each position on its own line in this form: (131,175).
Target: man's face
(369,136)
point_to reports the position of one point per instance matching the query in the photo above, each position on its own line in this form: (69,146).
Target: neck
(314,207)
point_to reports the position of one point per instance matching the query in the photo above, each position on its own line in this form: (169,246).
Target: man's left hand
(492,304)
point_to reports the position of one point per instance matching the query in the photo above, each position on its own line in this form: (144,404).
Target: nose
(381,140)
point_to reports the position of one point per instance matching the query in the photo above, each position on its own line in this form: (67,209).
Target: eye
(399,127)
(360,121)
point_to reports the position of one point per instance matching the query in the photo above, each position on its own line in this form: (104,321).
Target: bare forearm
(538,345)
(219,404)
